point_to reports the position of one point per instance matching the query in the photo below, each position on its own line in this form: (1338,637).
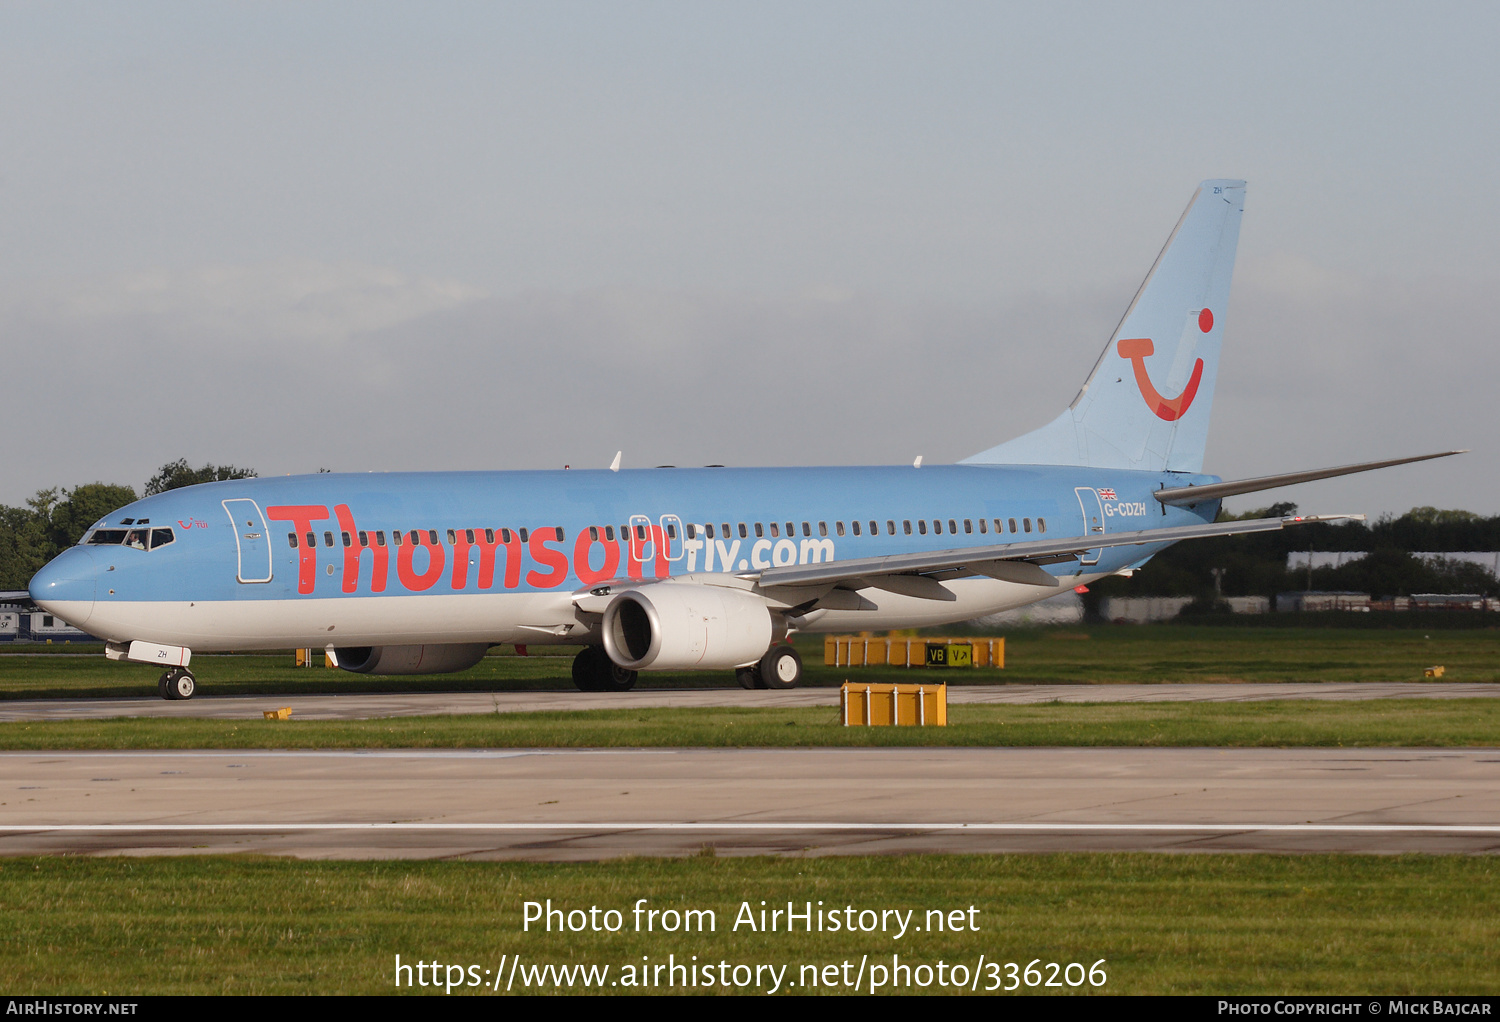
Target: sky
(378,237)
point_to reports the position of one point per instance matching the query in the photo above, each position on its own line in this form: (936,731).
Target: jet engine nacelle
(683,626)
(427,659)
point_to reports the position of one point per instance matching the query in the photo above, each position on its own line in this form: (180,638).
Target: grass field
(1163,924)
(1098,654)
(1393,722)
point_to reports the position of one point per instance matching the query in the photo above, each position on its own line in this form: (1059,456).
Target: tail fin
(1146,404)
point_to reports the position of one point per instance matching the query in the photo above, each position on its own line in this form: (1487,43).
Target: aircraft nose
(65,586)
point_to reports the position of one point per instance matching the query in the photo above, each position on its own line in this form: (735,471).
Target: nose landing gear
(177,683)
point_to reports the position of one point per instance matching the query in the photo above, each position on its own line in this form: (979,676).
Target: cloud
(290,301)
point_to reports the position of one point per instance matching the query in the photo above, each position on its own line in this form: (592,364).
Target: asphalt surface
(591,804)
(360,706)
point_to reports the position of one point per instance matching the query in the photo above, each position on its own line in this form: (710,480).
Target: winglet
(614,466)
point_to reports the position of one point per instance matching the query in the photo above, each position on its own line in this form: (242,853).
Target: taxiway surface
(589,804)
(364,706)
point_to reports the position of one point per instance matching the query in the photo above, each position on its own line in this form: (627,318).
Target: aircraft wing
(1013,562)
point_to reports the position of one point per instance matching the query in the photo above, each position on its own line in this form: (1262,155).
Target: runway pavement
(589,804)
(358,706)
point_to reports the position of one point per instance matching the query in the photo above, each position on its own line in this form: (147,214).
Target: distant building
(1139,610)
(1314,600)
(1296,560)
(22,622)
(1451,601)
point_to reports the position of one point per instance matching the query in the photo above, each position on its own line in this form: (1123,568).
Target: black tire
(179,684)
(747,677)
(781,668)
(594,671)
(161,686)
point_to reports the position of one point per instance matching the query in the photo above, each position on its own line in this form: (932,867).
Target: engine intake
(683,626)
(427,659)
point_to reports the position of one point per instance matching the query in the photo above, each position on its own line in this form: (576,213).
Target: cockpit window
(140,539)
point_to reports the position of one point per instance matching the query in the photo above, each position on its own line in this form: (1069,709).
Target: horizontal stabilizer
(1184,495)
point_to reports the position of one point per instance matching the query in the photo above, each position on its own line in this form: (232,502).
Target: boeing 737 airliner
(674,569)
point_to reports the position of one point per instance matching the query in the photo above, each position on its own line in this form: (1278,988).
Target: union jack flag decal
(1107,494)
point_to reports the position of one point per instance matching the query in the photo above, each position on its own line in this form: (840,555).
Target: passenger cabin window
(791,530)
(744,532)
(345,536)
(875,529)
(838,527)
(890,527)
(593,533)
(1012,525)
(328,539)
(922,526)
(822,528)
(692,531)
(505,535)
(1041,525)
(906,526)
(453,537)
(937,527)
(469,536)
(431,537)
(291,540)
(558,531)
(806,529)
(708,530)
(522,534)
(727,533)
(968,526)
(775,530)
(380,537)
(396,537)
(982,529)
(364,539)
(952,527)
(1027,523)
(609,532)
(311,539)
(855,526)
(759,532)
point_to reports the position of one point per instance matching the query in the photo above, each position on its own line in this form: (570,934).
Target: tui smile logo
(1137,349)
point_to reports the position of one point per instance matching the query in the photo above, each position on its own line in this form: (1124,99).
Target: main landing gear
(594,671)
(177,683)
(780,668)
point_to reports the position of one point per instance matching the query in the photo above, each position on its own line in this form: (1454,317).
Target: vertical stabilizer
(1146,404)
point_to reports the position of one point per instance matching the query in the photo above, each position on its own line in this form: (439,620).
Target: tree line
(57,518)
(1256,564)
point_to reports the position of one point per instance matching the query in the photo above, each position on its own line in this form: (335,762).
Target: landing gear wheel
(177,684)
(747,678)
(780,668)
(594,671)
